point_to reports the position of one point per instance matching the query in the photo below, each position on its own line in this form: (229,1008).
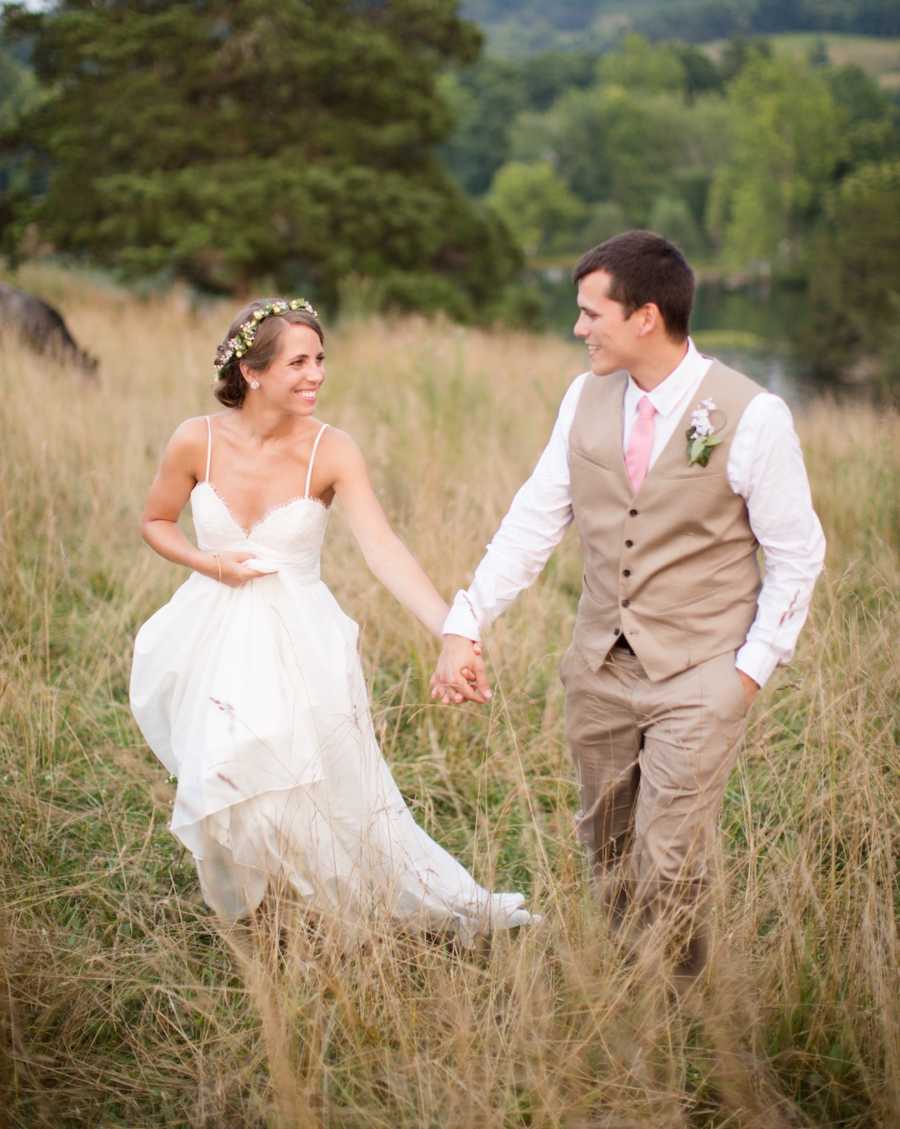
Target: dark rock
(42,328)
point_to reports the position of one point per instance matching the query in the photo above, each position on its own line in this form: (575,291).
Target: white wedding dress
(254,698)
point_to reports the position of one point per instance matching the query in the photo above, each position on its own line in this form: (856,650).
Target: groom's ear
(649,319)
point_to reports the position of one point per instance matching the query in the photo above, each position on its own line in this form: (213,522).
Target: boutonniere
(701,435)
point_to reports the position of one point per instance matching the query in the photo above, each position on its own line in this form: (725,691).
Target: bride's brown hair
(231,387)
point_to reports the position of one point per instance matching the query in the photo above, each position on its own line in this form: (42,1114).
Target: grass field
(122,1004)
(879,56)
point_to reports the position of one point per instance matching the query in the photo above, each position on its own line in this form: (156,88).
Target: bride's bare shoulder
(338,445)
(188,443)
(339,454)
(189,433)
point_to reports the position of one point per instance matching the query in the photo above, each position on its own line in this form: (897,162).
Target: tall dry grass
(123,1005)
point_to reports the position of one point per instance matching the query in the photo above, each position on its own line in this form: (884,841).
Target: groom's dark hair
(644,268)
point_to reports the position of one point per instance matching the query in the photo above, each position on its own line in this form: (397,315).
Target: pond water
(748,328)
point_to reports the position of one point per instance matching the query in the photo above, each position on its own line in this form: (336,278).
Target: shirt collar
(669,393)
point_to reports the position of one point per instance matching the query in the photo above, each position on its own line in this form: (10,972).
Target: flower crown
(238,345)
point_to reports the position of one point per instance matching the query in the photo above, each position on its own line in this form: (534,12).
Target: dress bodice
(288,536)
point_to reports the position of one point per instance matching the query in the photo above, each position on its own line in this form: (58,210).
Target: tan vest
(673,567)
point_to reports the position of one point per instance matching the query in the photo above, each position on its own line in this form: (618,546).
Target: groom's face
(610,336)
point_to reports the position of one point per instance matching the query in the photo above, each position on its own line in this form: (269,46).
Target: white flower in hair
(242,341)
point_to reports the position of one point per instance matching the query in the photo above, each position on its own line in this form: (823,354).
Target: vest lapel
(675,449)
(609,445)
(597,428)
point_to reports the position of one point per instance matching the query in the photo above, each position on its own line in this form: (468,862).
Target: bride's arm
(387,557)
(167,497)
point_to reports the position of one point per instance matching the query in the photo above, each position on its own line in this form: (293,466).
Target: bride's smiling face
(295,374)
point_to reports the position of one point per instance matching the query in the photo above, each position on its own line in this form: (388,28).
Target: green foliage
(643,67)
(313,145)
(701,75)
(672,218)
(485,98)
(535,204)
(745,174)
(625,143)
(19,90)
(855,272)
(227,142)
(872,120)
(19,94)
(517,27)
(739,51)
(734,160)
(787,139)
(604,219)
(609,143)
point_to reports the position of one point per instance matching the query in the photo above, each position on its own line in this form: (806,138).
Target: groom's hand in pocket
(460,674)
(751,688)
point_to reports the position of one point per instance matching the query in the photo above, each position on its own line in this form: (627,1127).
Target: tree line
(518,27)
(373,153)
(239,143)
(758,165)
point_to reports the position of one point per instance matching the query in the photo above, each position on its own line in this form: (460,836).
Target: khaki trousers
(653,759)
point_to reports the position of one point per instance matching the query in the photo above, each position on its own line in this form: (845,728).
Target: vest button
(629,544)
(632,513)
(625,603)
(626,572)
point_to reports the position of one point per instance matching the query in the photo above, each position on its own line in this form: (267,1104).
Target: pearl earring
(254,384)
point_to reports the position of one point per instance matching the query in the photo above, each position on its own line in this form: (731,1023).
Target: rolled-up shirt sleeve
(769,473)
(532,528)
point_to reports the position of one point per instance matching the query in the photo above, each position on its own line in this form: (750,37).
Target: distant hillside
(517,27)
(879,57)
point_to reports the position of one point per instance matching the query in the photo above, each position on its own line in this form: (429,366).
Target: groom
(676,630)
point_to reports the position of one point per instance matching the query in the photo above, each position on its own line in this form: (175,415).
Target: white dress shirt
(765,467)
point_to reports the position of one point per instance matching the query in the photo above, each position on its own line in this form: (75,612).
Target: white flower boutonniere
(701,435)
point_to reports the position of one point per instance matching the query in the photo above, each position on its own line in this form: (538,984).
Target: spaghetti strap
(208,447)
(312,459)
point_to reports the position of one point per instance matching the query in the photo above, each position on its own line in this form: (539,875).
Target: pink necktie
(637,457)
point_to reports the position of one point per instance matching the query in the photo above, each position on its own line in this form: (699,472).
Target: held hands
(460,673)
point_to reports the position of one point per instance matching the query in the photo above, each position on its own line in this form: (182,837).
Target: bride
(247,684)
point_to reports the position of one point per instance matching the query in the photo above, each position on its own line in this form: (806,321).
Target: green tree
(872,131)
(701,75)
(787,139)
(486,97)
(705,146)
(643,67)
(604,219)
(570,135)
(672,218)
(20,93)
(484,100)
(740,51)
(536,206)
(233,141)
(855,272)
(609,143)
